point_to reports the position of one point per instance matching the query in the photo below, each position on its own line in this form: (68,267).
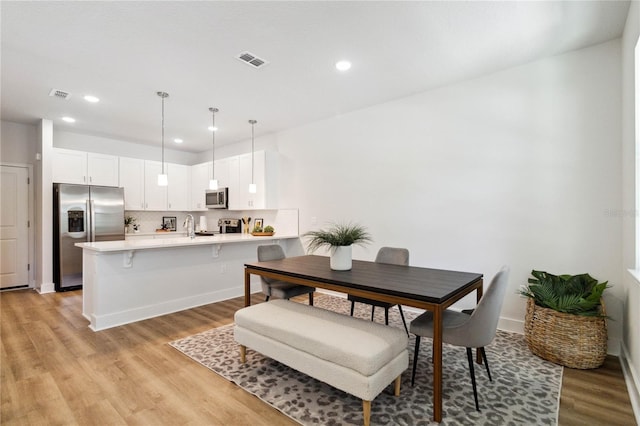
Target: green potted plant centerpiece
(565,322)
(339,238)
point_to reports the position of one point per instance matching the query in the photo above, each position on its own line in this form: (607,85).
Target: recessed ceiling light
(343,65)
(212,129)
(69,119)
(91,98)
(178,140)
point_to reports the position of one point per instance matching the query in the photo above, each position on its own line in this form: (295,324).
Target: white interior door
(14,230)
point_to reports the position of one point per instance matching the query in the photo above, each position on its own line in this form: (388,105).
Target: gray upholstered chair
(276,288)
(476,330)
(394,256)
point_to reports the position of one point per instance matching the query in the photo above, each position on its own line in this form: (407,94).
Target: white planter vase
(341,258)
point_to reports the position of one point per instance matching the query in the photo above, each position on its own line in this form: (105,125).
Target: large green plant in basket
(565,320)
(572,294)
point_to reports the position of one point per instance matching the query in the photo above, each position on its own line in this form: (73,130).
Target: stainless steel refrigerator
(82,213)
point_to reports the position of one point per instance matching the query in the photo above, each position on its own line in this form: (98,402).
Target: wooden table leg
(478,297)
(247,288)
(437,364)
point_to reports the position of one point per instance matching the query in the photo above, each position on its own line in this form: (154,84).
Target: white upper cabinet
(264,174)
(84,168)
(102,169)
(187,184)
(221,172)
(200,175)
(177,191)
(142,192)
(155,196)
(132,180)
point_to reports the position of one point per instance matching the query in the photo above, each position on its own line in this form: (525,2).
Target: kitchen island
(131,280)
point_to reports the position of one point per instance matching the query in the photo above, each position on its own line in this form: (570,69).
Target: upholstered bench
(356,356)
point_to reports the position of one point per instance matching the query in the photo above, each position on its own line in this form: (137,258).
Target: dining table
(425,288)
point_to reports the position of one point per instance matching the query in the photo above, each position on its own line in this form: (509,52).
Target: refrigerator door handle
(92,221)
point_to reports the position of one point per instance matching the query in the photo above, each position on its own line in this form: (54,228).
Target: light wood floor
(54,370)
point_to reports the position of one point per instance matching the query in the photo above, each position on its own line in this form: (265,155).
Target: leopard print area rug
(524,391)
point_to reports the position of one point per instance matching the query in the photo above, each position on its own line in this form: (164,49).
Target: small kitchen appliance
(230,226)
(217,198)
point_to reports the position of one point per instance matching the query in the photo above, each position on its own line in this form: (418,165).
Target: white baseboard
(511,325)
(114,319)
(46,288)
(632,380)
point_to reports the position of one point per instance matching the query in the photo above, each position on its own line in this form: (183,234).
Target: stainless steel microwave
(217,198)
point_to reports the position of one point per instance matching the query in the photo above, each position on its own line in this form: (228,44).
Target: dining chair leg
(266,299)
(403,320)
(486,363)
(352,306)
(415,360)
(373,308)
(473,377)
(386,316)
(311,299)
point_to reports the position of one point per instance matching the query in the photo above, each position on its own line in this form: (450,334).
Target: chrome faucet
(189,224)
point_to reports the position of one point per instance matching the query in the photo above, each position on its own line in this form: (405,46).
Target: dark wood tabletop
(410,282)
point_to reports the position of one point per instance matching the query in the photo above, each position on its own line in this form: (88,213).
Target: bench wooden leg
(243,354)
(366,412)
(396,391)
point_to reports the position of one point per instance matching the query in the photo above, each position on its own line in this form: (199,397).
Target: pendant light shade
(252,186)
(163,180)
(213,182)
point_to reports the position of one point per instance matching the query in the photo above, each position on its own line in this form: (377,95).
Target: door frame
(31,218)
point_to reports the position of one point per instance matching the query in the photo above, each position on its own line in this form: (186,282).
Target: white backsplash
(284,221)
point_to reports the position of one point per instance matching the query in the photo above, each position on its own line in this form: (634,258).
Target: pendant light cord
(253,122)
(213,142)
(162,95)
(162,134)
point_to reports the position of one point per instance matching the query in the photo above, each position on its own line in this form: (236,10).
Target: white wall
(17,143)
(520,167)
(103,145)
(629,212)
(44,208)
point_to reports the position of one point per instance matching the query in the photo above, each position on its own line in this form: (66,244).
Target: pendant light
(252,185)
(213,183)
(162,178)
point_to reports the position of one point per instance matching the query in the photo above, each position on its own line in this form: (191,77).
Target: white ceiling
(124,52)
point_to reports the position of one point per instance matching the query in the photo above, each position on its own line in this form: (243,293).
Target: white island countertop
(156,243)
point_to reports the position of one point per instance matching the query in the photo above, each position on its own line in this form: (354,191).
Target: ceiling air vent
(61,94)
(251,59)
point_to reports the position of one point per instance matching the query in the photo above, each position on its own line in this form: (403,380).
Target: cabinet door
(131,176)
(102,169)
(237,196)
(155,196)
(69,166)
(200,175)
(221,172)
(255,170)
(177,191)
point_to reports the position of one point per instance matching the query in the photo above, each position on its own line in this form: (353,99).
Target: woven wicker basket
(571,340)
